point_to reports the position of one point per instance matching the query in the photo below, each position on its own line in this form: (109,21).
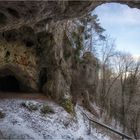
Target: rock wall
(53,58)
(49,61)
(41,61)
(18,60)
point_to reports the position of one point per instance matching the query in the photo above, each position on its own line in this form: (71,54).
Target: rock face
(14,14)
(39,61)
(19,13)
(18,61)
(46,61)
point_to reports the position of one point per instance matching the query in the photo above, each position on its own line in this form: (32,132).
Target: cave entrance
(42,78)
(9,83)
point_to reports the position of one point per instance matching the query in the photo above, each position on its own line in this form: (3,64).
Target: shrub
(2,114)
(67,105)
(30,106)
(46,109)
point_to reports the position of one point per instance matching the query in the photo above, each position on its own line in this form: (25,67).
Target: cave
(28,42)
(42,78)
(9,83)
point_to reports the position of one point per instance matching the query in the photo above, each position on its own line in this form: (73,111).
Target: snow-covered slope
(20,123)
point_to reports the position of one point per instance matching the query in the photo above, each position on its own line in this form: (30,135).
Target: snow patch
(20,123)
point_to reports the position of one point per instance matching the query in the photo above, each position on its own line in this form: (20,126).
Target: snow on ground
(20,123)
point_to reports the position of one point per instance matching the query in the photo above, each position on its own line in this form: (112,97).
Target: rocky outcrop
(14,14)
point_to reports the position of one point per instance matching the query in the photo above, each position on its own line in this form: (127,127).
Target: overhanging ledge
(14,14)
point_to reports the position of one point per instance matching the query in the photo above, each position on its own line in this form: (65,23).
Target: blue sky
(122,24)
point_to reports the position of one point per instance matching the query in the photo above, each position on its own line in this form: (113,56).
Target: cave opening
(9,83)
(42,78)
(29,43)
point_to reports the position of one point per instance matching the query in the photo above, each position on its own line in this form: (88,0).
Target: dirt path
(17,95)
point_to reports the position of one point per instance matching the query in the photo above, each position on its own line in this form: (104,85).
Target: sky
(122,24)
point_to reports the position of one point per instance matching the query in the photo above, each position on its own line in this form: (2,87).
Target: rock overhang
(14,14)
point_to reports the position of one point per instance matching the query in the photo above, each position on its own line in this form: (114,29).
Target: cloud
(136,57)
(123,24)
(118,14)
(130,47)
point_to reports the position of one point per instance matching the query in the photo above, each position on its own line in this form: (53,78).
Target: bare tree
(106,53)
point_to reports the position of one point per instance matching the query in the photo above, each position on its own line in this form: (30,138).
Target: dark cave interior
(9,83)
